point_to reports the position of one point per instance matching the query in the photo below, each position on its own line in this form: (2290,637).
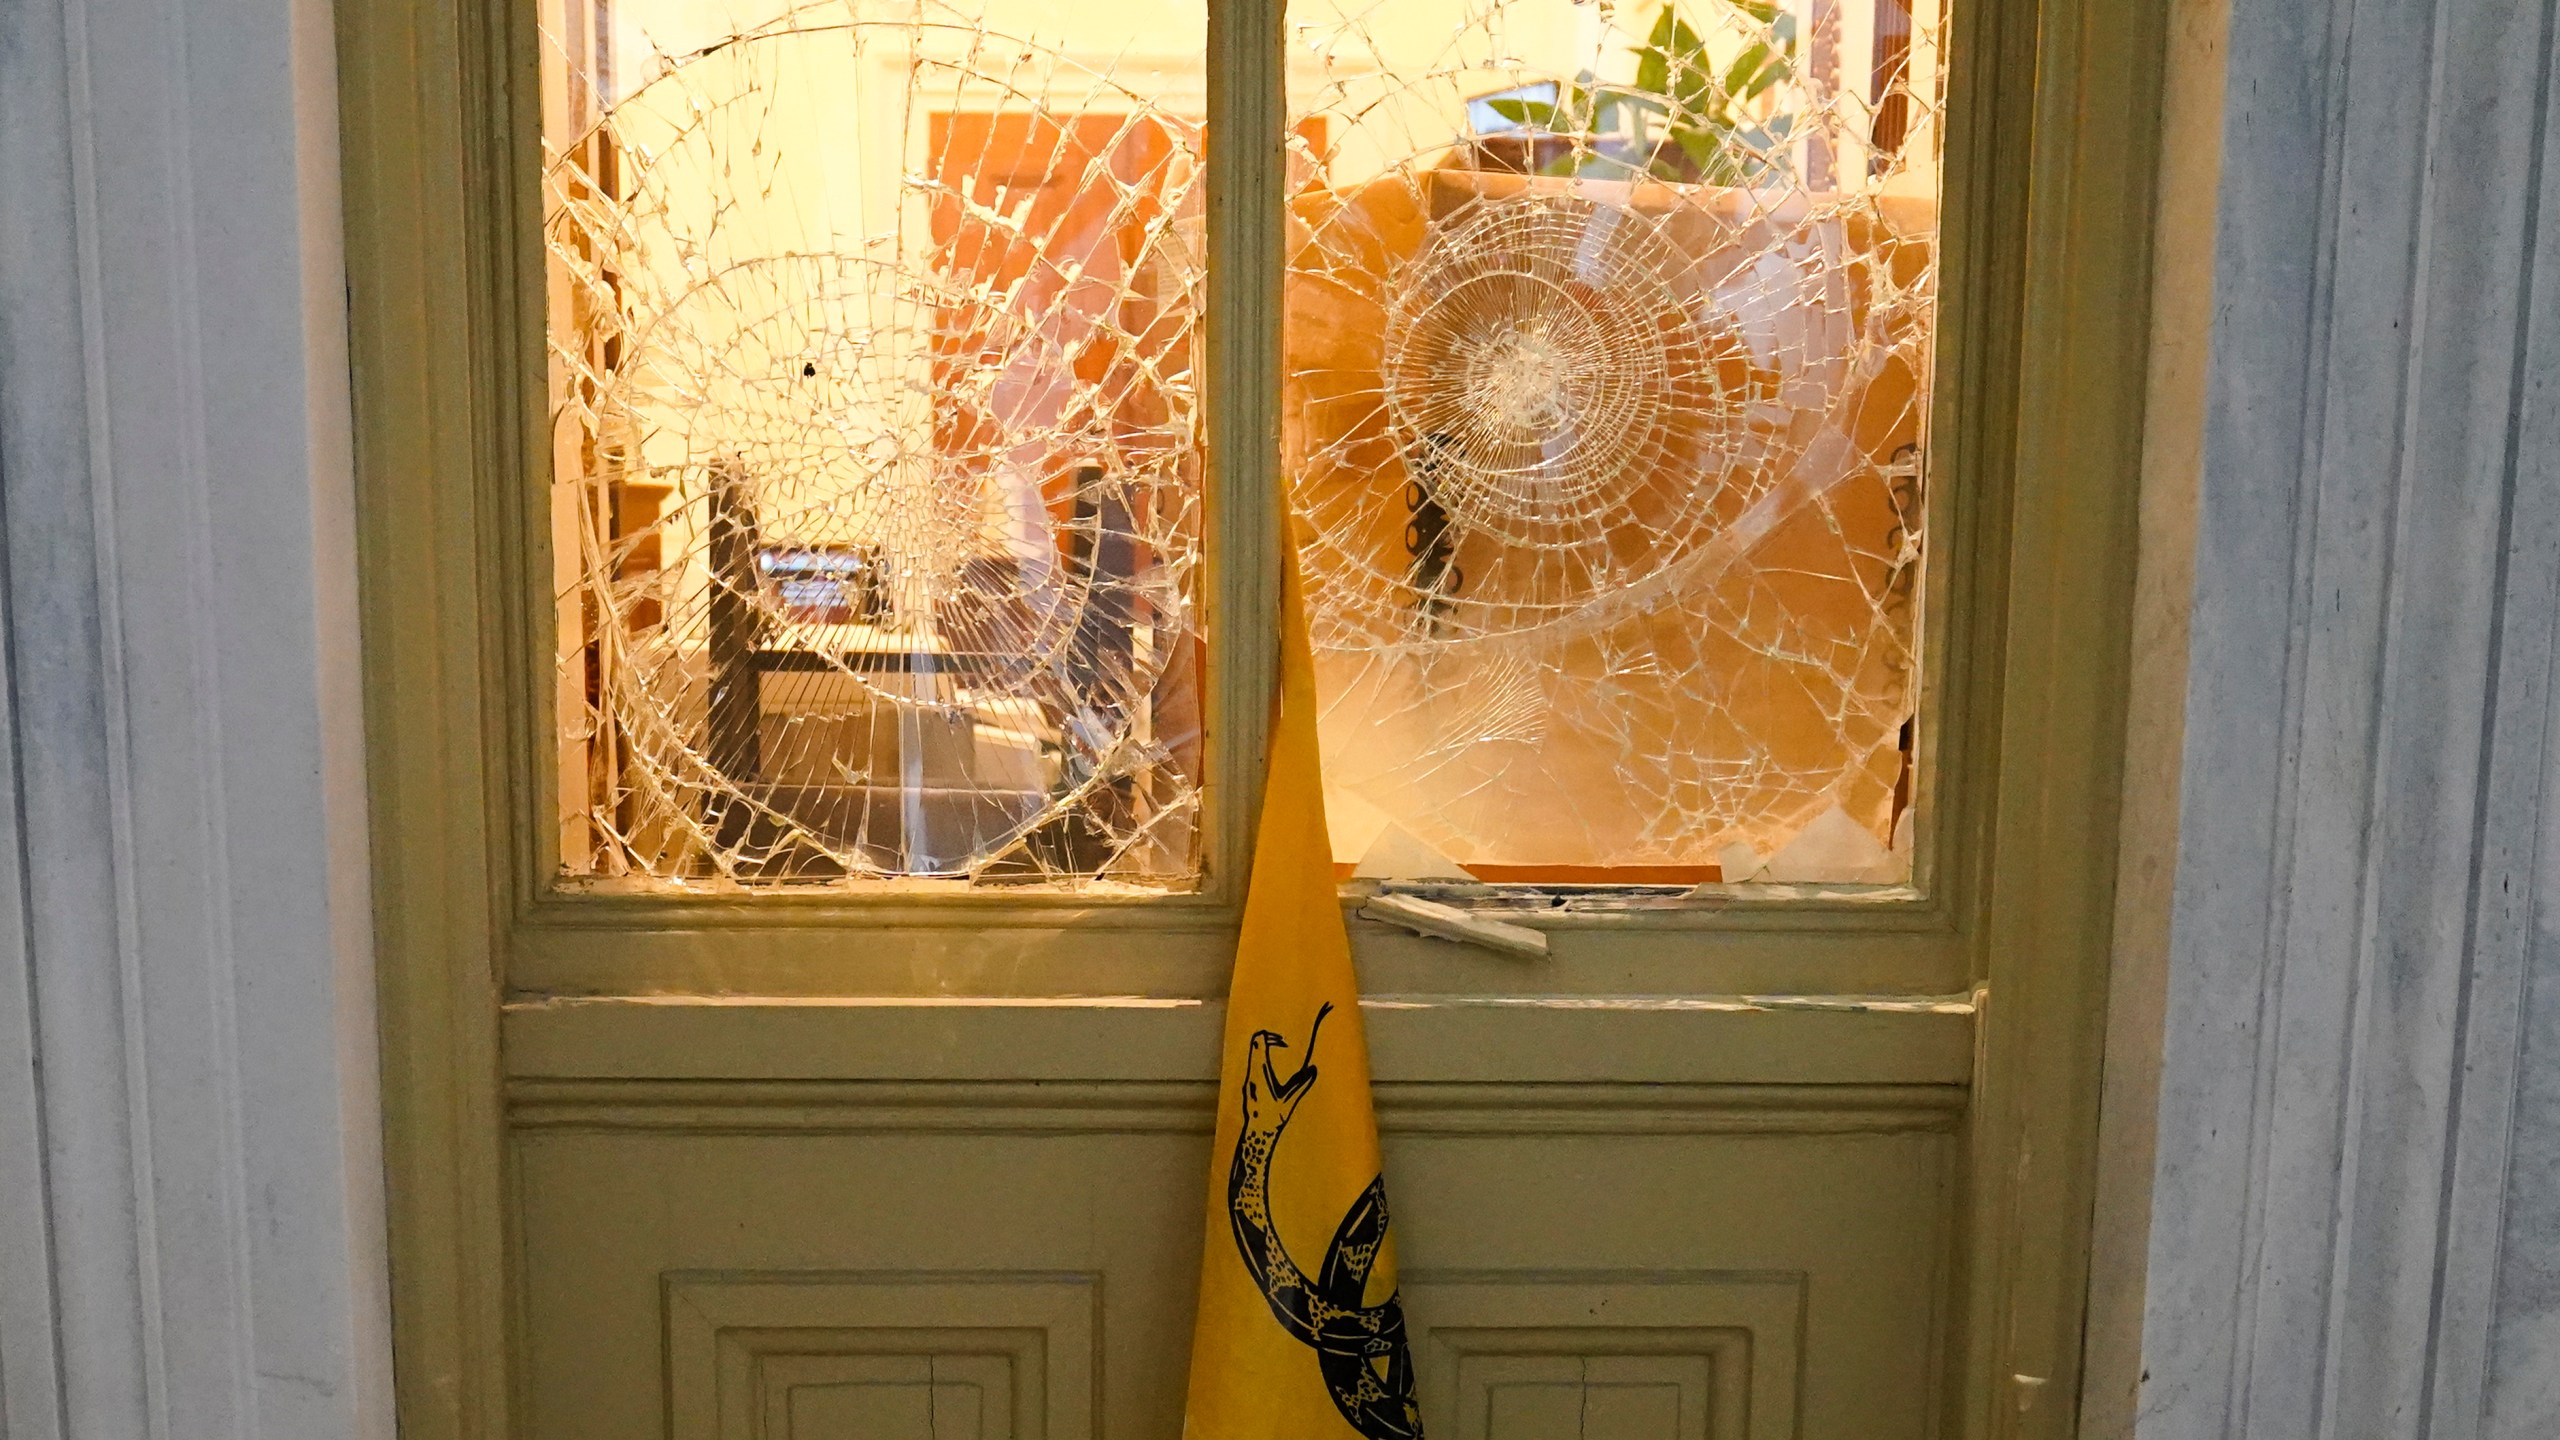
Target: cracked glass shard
(1607,387)
(875,467)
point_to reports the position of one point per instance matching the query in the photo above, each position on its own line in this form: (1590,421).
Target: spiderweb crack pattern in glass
(1607,349)
(874,433)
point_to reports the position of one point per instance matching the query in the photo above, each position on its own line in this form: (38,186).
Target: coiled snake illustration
(1360,1349)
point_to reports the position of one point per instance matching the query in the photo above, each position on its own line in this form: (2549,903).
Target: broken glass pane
(875,447)
(1608,356)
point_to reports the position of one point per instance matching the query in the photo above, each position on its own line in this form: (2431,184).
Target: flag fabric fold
(1301,1332)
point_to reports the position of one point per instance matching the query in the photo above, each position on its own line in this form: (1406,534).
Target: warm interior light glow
(1608,360)
(876,465)
(877,434)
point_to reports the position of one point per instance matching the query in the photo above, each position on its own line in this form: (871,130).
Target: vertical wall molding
(2355,1231)
(190,1176)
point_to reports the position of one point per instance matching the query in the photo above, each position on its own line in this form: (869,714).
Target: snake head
(1269,1100)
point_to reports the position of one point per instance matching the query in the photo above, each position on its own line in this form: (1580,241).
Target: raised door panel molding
(1603,1355)
(878,1356)
(1800,1269)
(886,1397)
(1593,1397)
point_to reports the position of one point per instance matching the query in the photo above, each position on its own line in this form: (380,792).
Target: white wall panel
(190,1212)
(2346,1137)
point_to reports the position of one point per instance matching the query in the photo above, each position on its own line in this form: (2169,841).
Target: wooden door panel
(1630,1397)
(1638,1353)
(862,1397)
(877,1356)
(668,1274)
(1754,1256)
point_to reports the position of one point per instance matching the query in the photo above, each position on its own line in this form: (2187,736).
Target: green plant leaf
(1525,112)
(1690,71)
(1574,109)
(1689,48)
(1687,45)
(1709,133)
(1753,71)
(1653,61)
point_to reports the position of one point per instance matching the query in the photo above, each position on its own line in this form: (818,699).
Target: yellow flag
(1301,1334)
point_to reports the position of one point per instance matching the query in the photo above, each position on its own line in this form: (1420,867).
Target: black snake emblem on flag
(1360,1349)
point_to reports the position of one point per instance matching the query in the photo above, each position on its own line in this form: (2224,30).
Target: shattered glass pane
(1608,359)
(875,449)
